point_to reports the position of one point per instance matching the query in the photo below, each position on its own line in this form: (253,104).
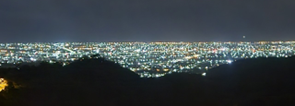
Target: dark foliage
(93,81)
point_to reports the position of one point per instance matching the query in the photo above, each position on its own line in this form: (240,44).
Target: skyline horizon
(147,41)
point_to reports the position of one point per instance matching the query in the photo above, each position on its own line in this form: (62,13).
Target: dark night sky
(146,20)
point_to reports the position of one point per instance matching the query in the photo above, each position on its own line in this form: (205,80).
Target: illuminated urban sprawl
(154,59)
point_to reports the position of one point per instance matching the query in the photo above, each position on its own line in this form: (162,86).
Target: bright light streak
(188,57)
(203,74)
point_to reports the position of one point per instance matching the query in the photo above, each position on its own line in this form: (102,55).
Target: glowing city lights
(3,84)
(147,59)
(204,74)
(229,61)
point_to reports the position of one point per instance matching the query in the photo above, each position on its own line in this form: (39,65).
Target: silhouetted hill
(101,69)
(83,80)
(96,81)
(262,79)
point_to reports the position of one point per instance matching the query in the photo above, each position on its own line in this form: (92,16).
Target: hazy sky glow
(146,20)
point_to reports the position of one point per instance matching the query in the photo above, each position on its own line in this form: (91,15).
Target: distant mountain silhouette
(93,80)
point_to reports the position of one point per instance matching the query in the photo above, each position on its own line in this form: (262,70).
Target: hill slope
(262,81)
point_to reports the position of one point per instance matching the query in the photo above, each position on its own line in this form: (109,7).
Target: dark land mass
(99,82)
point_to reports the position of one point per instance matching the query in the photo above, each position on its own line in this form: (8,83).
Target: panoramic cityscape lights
(154,59)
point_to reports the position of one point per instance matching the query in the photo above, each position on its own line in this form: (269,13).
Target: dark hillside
(96,81)
(263,79)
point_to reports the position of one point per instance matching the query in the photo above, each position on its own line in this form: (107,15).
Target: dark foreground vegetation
(98,82)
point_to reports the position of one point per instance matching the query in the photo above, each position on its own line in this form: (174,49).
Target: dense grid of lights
(152,59)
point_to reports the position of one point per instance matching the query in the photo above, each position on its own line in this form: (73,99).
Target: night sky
(146,20)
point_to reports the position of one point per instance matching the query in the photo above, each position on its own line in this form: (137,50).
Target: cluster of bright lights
(3,84)
(33,59)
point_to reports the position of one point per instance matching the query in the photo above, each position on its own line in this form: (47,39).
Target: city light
(3,84)
(204,74)
(229,61)
(153,57)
